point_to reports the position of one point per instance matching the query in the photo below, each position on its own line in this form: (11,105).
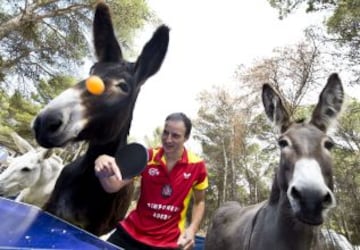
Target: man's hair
(179,116)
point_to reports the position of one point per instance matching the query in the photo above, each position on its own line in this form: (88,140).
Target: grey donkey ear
(330,103)
(23,145)
(275,108)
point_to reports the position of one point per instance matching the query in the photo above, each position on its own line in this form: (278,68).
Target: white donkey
(30,177)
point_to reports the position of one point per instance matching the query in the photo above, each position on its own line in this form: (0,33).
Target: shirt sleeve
(150,157)
(202,182)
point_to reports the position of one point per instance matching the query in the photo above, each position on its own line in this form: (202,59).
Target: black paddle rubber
(131,159)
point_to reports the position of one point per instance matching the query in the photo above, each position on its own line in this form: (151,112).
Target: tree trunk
(225,159)
(233,173)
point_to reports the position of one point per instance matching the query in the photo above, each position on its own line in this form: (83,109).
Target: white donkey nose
(308,188)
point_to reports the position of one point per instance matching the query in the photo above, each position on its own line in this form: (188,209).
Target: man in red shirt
(171,178)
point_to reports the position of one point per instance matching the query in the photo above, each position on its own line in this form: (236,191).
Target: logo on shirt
(187,175)
(166,191)
(153,172)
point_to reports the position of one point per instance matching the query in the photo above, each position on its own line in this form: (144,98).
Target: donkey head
(78,115)
(24,171)
(305,171)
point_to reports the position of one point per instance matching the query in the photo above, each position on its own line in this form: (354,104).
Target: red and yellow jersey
(160,214)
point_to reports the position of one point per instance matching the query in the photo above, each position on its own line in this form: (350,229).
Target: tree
(42,38)
(235,165)
(286,7)
(18,111)
(295,71)
(20,114)
(155,139)
(343,24)
(47,90)
(5,128)
(215,130)
(346,216)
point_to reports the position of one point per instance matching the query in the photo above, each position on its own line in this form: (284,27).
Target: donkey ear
(21,143)
(106,45)
(330,103)
(152,55)
(274,107)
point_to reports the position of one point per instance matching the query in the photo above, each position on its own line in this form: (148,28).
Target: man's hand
(186,240)
(105,166)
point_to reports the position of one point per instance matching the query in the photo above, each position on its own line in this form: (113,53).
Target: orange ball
(95,85)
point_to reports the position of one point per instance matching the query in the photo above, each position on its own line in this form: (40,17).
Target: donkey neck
(288,230)
(50,169)
(298,235)
(95,149)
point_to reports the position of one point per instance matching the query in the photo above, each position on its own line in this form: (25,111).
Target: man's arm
(198,210)
(187,239)
(109,174)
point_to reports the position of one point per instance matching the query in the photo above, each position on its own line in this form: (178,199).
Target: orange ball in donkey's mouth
(95,85)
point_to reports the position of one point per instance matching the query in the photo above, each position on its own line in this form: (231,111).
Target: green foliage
(45,38)
(237,169)
(155,140)
(47,90)
(343,25)
(128,17)
(349,125)
(286,7)
(20,114)
(17,111)
(4,104)
(345,218)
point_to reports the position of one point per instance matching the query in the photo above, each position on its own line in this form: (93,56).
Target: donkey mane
(275,190)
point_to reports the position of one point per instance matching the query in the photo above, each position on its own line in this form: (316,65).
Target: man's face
(173,136)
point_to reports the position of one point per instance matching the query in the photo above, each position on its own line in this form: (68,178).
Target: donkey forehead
(121,69)
(305,136)
(304,131)
(27,159)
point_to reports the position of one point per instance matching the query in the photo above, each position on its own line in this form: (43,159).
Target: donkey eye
(283,143)
(328,145)
(25,169)
(124,87)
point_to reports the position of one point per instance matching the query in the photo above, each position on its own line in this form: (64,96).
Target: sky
(208,40)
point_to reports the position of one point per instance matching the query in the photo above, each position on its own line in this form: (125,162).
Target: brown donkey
(102,120)
(301,193)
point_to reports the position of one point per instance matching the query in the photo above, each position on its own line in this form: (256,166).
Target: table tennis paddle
(131,159)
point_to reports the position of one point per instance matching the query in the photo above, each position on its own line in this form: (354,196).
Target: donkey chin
(311,206)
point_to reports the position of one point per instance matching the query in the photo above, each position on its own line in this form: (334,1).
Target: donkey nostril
(295,193)
(53,127)
(327,201)
(53,122)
